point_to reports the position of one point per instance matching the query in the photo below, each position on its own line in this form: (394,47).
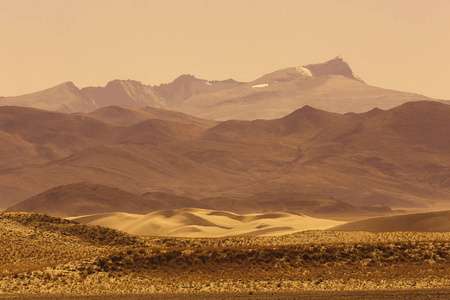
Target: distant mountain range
(330,86)
(68,98)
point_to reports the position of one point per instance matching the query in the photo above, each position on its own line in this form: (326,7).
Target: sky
(396,44)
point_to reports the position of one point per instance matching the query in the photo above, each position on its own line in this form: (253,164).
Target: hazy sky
(397,44)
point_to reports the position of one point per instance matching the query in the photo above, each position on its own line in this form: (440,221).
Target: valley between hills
(305,179)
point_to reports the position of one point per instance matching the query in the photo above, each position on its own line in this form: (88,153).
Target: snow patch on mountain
(260,85)
(304,71)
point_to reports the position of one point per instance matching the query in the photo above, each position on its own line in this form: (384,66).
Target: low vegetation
(46,255)
(33,241)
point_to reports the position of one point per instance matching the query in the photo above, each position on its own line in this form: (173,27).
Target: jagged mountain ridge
(185,86)
(65,97)
(331,86)
(68,98)
(124,92)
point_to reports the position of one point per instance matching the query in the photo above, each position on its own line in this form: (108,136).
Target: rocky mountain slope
(329,86)
(124,92)
(186,86)
(65,97)
(70,99)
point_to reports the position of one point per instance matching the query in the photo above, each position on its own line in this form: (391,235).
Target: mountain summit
(67,98)
(330,86)
(336,66)
(125,92)
(185,86)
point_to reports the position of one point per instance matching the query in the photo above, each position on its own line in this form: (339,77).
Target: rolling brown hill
(42,140)
(306,121)
(85,198)
(16,152)
(409,139)
(154,131)
(329,86)
(308,204)
(54,135)
(128,115)
(397,157)
(403,147)
(79,131)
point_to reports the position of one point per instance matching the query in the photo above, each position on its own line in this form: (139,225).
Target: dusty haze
(400,45)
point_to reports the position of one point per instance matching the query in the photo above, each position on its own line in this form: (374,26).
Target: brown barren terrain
(397,158)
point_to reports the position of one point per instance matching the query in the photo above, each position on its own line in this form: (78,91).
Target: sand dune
(207,223)
(429,221)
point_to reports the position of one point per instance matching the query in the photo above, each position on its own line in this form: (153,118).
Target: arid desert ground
(43,255)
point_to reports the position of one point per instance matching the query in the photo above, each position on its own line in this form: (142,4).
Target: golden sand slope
(429,221)
(207,223)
